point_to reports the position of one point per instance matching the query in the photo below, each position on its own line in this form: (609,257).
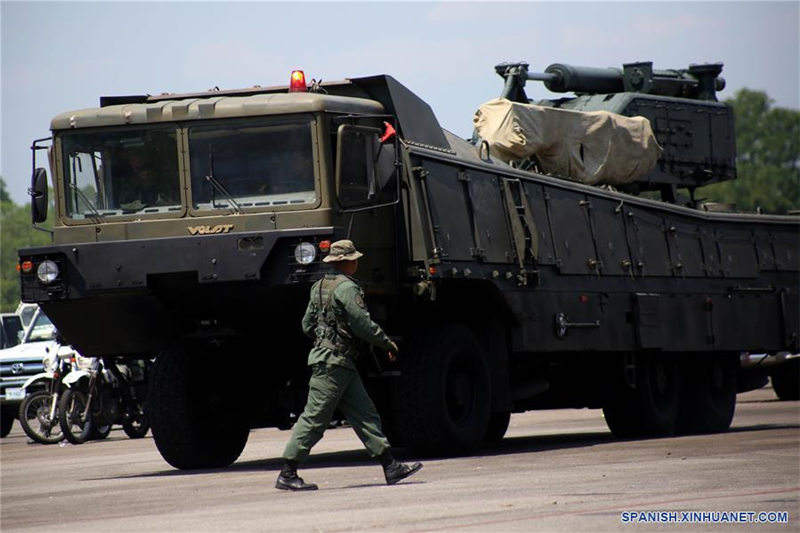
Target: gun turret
(698,82)
(695,130)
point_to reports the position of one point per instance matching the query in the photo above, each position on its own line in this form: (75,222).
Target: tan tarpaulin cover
(597,147)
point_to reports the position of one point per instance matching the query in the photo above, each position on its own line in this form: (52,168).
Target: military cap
(343,250)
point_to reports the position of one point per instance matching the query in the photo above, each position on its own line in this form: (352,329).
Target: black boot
(394,470)
(289,480)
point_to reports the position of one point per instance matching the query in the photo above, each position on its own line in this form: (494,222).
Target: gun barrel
(698,81)
(569,78)
(541,76)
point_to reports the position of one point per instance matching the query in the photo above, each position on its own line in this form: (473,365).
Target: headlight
(305,253)
(47,271)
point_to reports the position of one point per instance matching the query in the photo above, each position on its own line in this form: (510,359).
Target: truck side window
(355,165)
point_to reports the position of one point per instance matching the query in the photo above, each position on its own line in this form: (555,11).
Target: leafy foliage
(15,233)
(767,157)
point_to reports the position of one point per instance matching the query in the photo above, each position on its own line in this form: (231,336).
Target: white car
(19,363)
(26,313)
(11,330)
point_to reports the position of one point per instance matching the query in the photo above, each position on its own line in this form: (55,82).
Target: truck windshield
(260,164)
(111,173)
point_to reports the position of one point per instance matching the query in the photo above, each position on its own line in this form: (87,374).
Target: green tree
(15,232)
(767,157)
(4,197)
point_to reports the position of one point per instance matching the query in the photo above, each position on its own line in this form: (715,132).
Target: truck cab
(229,188)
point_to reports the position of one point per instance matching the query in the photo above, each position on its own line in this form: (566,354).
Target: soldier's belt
(341,349)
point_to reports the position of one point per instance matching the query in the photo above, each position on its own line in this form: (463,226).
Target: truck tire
(498,425)
(6,421)
(786,380)
(648,407)
(193,416)
(708,394)
(443,397)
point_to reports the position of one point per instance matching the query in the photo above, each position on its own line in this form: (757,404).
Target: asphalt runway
(555,471)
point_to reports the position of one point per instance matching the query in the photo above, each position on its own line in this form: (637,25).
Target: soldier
(145,185)
(338,321)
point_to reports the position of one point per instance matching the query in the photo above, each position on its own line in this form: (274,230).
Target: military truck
(190,226)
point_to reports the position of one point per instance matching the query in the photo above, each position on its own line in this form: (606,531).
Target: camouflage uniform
(338,321)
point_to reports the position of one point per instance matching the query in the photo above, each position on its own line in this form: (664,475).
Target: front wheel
(35,419)
(76,428)
(196,419)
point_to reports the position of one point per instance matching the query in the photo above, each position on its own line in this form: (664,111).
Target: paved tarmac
(555,471)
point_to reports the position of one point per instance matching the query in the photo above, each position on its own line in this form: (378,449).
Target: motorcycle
(108,392)
(38,412)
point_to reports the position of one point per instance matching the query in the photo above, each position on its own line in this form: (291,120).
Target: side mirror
(356,158)
(38,192)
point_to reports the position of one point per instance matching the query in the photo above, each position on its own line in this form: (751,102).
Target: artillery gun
(695,131)
(508,289)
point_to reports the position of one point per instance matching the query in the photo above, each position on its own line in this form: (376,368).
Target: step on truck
(515,275)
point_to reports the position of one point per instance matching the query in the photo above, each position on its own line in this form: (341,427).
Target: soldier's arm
(361,324)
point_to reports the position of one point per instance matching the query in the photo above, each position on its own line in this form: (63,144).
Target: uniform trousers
(333,386)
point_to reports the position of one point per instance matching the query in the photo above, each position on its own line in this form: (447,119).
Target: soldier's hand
(393,351)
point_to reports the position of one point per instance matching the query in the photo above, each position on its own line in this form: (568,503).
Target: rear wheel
(196,419)
(443,396)
(76,427)
(786,380)
(35,419)
(644,396)
(708,394)
(498,425)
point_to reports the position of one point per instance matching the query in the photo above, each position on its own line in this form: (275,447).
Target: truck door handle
(562,325)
